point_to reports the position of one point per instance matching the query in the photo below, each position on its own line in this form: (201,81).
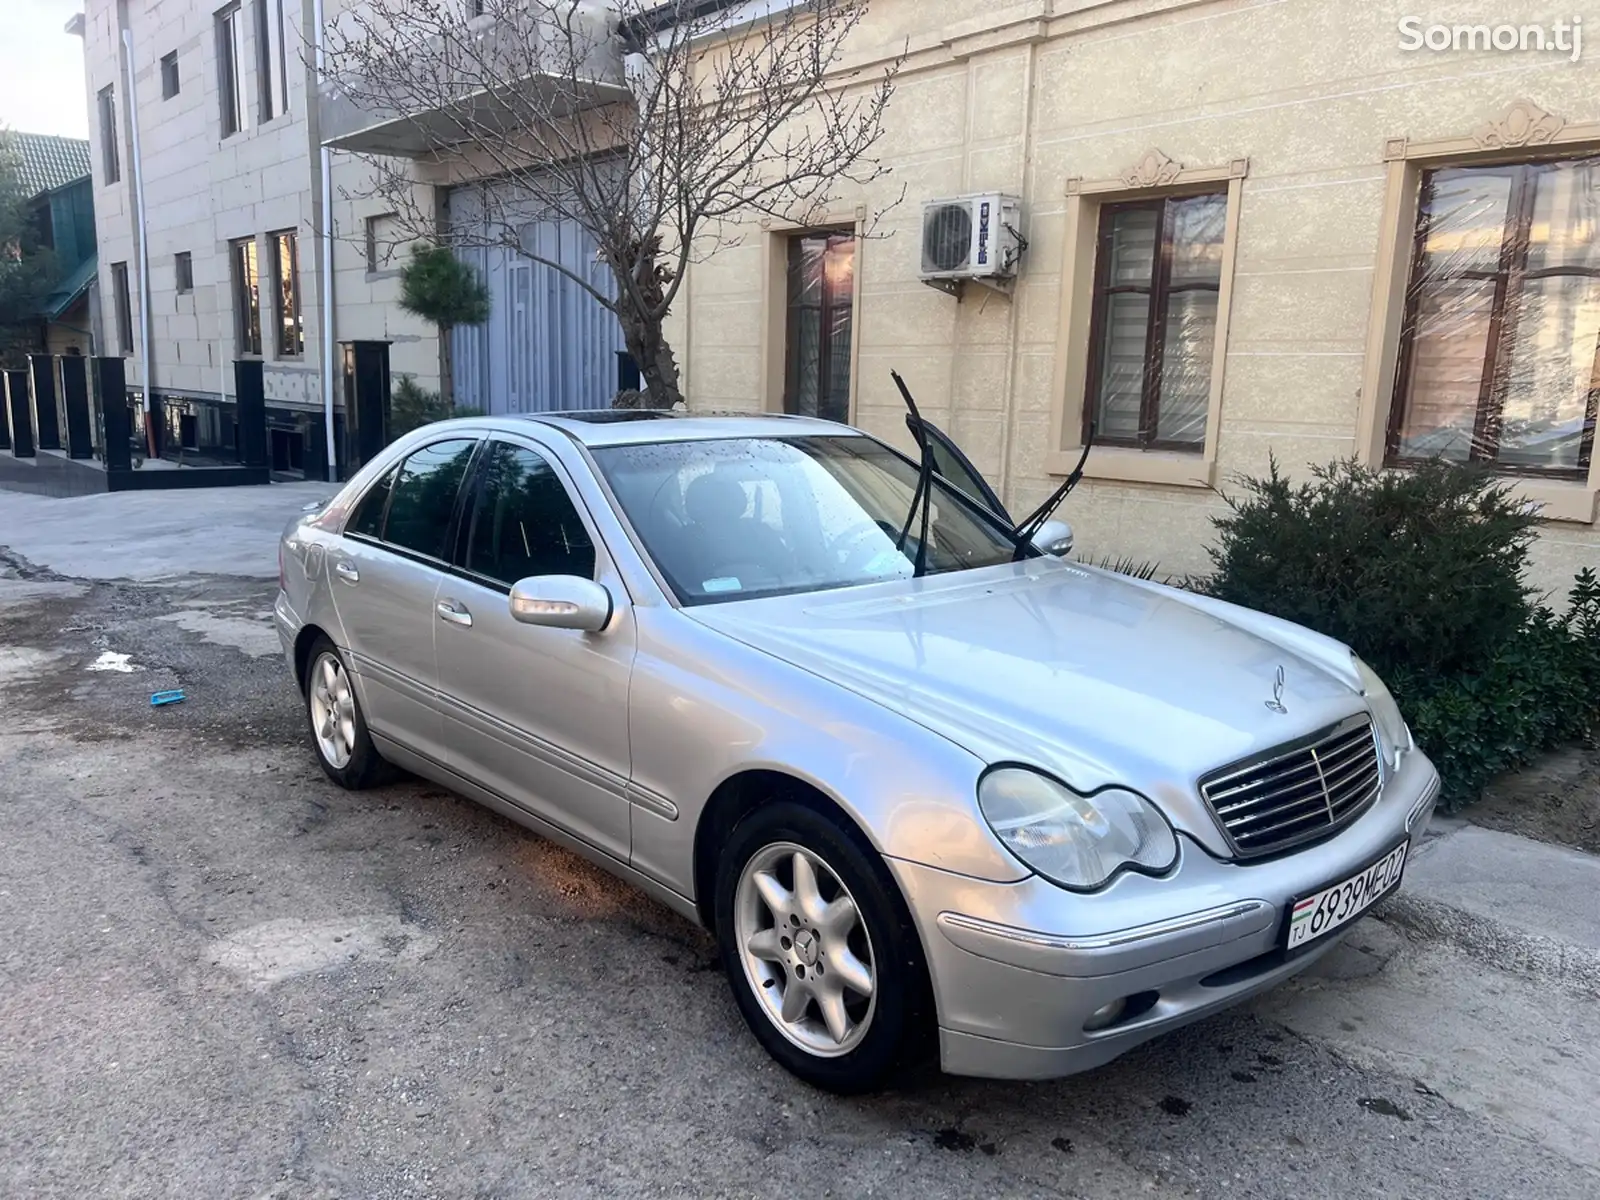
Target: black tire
(899,1036)
(365,766)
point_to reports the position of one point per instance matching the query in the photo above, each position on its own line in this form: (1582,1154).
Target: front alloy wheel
(820,949)
(804,949)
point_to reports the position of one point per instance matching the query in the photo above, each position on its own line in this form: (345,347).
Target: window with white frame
(246,286)
(122,305)
(291,338)
(230,75)
(169,75)
(384,237)
(110,160)
(272,59)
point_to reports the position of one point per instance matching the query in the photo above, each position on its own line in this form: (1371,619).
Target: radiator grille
(1297,794)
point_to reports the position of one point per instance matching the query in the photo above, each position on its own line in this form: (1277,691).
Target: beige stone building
(1220,200)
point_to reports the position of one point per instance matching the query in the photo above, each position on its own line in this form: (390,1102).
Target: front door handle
(346,571)
(454,612)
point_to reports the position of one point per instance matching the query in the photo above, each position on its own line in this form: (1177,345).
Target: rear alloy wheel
(338,730)
(819,949)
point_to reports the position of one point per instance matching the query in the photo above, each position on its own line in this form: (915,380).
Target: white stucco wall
(202,191)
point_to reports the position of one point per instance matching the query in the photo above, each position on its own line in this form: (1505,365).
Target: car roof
(623,427)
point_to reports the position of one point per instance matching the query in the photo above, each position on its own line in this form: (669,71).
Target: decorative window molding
(1155,173)
(834,215)
(1524,123)
(1521,127)
(1522,130)
(1155,169)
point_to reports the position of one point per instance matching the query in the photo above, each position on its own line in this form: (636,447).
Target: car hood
(1090,675)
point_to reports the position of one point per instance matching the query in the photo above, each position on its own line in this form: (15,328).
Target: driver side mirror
(561,602)
(1055,538)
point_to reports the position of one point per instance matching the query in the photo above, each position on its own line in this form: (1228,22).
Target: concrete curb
(1526,907)
(1570,967)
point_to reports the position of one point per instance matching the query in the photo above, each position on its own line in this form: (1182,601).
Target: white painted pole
(144,249)
(326,238)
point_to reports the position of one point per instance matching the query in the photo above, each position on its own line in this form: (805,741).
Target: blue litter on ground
(172,697)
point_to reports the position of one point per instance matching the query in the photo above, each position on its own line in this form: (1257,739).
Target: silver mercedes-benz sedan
(929,784)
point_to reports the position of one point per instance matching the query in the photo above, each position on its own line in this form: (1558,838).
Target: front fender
(704,708)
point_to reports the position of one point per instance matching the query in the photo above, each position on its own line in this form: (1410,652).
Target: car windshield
(730,519)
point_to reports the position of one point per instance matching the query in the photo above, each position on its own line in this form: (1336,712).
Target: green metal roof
(46,162)
(66,293)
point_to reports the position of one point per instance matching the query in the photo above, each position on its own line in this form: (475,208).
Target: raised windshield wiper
(921,497)
(1034,521)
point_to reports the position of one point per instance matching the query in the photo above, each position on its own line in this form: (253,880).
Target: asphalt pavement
(222,976)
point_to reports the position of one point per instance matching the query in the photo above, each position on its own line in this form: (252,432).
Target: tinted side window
(525,523)
(368,516)
(424,497)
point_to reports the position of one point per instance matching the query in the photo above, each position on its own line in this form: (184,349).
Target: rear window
(368,517)
(423,496)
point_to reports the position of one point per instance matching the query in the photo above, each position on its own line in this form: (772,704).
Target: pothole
(253,635)
(24,663)
(273,951)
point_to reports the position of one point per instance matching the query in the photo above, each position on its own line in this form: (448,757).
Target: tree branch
(650,125)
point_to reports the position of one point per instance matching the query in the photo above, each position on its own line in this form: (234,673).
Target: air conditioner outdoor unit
(971,237)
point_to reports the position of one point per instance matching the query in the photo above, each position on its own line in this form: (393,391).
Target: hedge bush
(411,406)
(1421,572)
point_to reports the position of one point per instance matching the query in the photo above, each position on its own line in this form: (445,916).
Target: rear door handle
(346,571)
(454,612)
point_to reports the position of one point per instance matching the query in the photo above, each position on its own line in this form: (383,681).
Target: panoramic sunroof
(613,416)
(608,416)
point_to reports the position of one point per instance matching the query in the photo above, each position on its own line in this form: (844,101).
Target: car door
(538,715)
(384,574)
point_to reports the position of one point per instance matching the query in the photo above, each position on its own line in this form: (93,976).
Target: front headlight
(1076,841)
(1392,730)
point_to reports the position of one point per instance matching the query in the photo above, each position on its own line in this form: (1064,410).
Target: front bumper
(1019,968)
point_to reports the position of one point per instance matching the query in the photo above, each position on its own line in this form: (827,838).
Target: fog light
(1105,1015)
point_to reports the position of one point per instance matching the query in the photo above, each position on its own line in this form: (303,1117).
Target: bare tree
(656,127)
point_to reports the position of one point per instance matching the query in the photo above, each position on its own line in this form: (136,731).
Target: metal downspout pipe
(325,237)
(144,250)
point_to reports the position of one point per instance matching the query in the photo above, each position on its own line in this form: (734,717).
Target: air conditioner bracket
(1004,284)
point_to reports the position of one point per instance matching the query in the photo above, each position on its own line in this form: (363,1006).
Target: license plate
(1322,912)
